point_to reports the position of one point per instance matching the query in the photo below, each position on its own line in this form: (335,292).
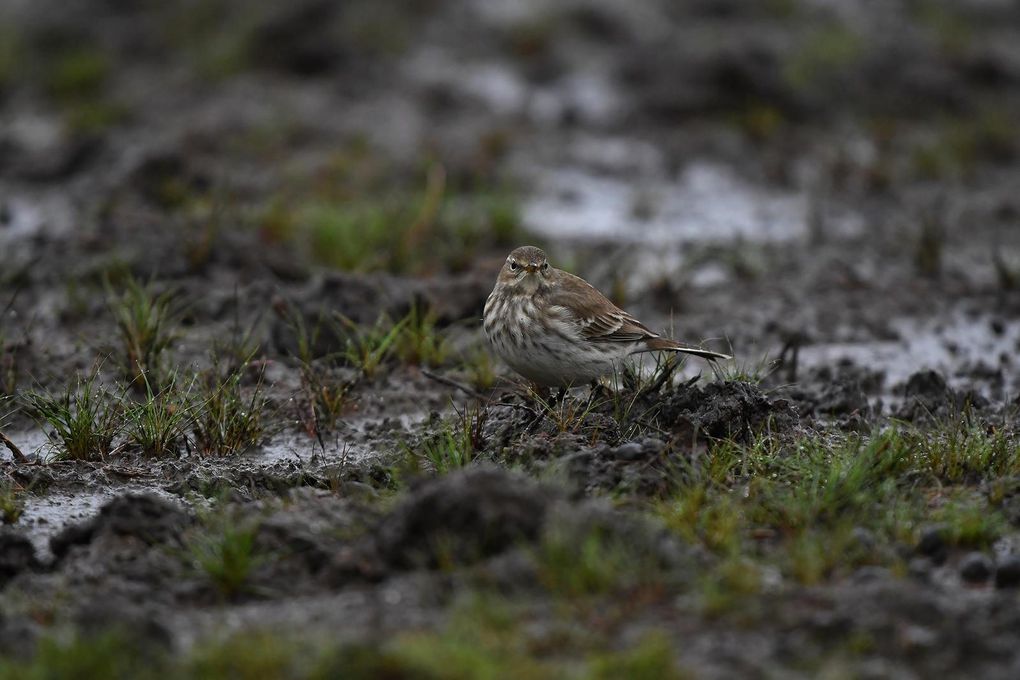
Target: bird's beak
(531,268)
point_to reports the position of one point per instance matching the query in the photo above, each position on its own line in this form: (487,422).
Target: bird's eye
(545,266)
(513,266)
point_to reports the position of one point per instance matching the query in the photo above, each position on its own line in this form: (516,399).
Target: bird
(557,330)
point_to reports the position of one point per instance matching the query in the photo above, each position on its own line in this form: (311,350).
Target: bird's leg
(546,402)
(545,397)
(540,392)
(539,395)
(559,396)
(555,400)
(591,395)
(600,388)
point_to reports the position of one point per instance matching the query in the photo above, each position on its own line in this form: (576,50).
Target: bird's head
(526,266)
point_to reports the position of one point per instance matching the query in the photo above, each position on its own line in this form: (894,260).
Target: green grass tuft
(325,395)
(750,371)
(223,549)
(969,521)
(455,445)
(817,507)
(1007,271)
(824,53)
(729,587)
(930,246)
(594,561)
(567,414)
(420,343)
(76,76)
(12,502)
(145,323)
(159,423)
(369,347)
(958,451)
(361,215)
(77,73)
(652,658)
(10,49)
(480,369)
(958,145)
(8,368)
(255,655)
(228,418)
(109,655)
(82,421)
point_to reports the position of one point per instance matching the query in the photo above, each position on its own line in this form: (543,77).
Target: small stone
(864,537)
(975,567)
(17,554)
(933,541)
(914,637)
(653,446)
(358,490)
(926,384)
(919,569)
(629,451)
(1007,572)
(870,574)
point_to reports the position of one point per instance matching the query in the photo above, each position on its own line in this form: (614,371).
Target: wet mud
(828,193)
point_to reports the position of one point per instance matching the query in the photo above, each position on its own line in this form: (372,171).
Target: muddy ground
(314,200)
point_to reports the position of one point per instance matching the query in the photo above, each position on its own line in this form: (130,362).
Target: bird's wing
(595,317)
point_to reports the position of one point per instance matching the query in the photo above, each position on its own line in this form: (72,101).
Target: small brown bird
(557,330)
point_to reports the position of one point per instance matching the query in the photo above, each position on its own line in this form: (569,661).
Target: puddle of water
(46,516)
(285,447)
(588,95)
(343,445)
(494,85)
(944,344)
(707,202)
(22,219)
(32,443)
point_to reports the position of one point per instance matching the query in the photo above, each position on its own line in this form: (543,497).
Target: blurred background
(285,218)
(832,174)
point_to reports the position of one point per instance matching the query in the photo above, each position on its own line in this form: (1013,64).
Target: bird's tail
(666,345)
